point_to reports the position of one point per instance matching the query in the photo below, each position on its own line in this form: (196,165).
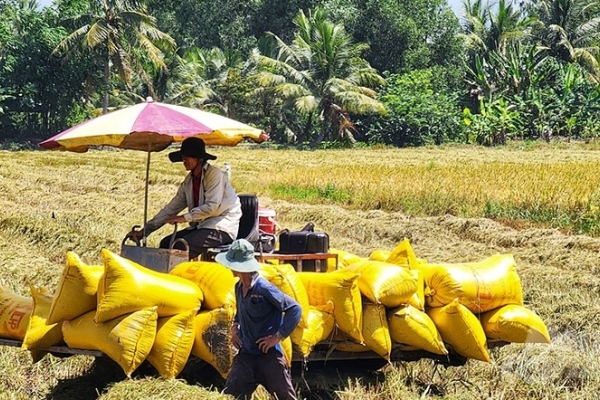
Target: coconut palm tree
(197,76)
(571,30)
(122,34)
(487,30)
(321,75)
(190,83)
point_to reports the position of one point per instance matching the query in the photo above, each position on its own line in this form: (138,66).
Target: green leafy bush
(421,110)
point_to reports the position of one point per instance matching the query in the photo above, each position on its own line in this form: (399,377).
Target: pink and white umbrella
(153,126)
(150,127)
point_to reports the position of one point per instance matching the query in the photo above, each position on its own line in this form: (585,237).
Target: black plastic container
(317,242)
(303,242)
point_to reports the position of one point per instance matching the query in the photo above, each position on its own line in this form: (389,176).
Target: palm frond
(306,104)
(69,44)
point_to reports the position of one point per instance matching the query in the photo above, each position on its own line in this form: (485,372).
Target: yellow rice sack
(39,335)
(379,255)
(288,352)
(411,326)
(15,311)
(212,342)
(127,339)
(515,324)
(341,288)
(404,256)
(319,326)
(76,291)
(126,287)
(375,330)
(417,300)
(285,277)
(384,283)
(480,286)
(461,329)
(173,343)
(342,342)
(344,259)
(348,346)
(214,280)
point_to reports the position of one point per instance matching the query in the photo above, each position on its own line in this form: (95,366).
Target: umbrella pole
(146,197)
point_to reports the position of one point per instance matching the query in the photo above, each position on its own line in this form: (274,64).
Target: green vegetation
(115,33)
(319,74)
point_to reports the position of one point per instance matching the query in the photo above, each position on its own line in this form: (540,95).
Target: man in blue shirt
(265,316)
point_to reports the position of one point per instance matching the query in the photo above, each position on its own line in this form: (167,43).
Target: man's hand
(135,235)
(266,342)
(178,219)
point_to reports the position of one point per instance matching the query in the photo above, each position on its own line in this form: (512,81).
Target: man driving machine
(213,207)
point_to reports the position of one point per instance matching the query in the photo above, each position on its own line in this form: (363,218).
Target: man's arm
(177,203)
(292,313)
(291,310)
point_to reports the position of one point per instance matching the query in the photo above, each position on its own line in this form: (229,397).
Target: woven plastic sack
(341,288)
(15,311)
(127,339)
(319,327)
(515,324)
(126,287)
(417,300)
(461,329)
(76,291)
(288,350)
(285,277)
(404,256)
(480,286)
(39,335)
(344,259)
(411,326)
(379,255)
(347,345)
(214,280)
(384,283)
(173,343)
(212,341)
(376,330)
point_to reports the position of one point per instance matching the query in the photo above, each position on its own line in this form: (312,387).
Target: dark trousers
(198,240)
(269,370)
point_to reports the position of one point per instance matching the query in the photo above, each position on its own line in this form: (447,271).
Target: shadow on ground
(313,381)
(319,380)
(89,385)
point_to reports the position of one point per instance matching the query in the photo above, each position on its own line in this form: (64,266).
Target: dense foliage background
(311,72)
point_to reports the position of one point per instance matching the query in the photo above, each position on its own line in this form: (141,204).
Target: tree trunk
(319,138)
(106,85)
(307,128)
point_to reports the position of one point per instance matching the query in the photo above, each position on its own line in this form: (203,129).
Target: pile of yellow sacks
(437,307)
(389,300)
(122,309)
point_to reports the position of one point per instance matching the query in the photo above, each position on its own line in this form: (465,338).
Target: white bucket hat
(239,257)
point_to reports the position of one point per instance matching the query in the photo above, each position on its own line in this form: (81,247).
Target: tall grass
(556,187)
(54,202)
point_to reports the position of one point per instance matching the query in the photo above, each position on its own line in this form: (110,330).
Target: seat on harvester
(248,229)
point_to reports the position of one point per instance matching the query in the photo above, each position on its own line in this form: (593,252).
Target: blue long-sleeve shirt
(264,311)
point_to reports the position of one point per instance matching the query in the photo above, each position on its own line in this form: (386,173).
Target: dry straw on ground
(56,202)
